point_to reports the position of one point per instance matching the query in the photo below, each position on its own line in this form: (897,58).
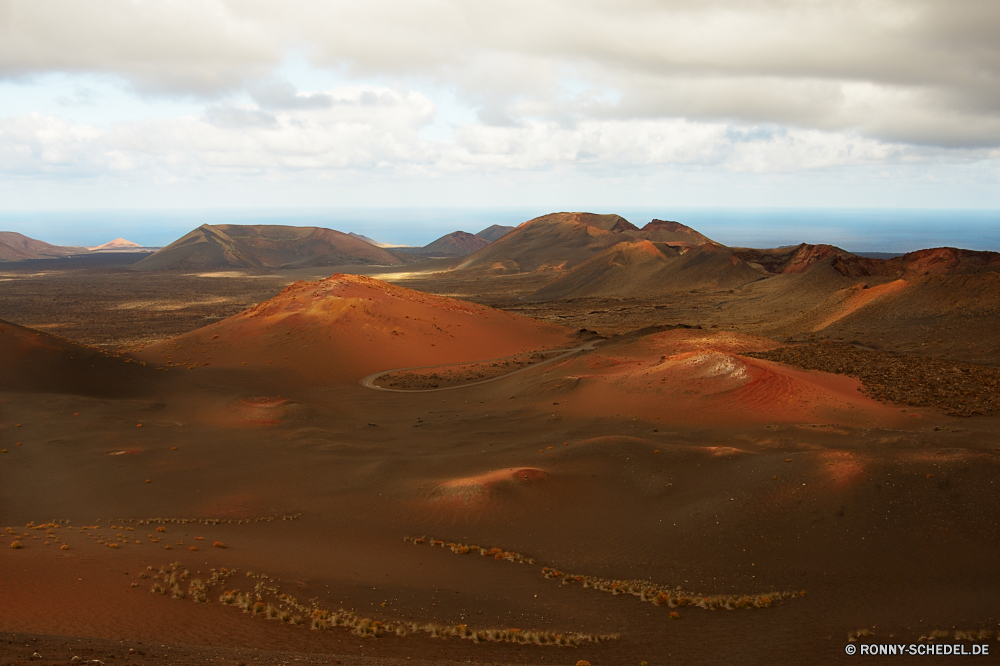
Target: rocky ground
(959,389)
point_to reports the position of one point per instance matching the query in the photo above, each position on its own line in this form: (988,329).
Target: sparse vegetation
(268,601)
(654,593)
(972,635)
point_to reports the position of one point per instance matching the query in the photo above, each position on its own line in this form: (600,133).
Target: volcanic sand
(764,478)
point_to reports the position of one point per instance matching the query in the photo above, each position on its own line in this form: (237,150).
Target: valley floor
(674,495)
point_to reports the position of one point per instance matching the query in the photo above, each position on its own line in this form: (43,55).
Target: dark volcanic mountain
(225,246)
(495,232)
(455,244)
(18,247)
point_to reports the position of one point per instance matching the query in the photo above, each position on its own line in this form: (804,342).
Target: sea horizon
(852,229)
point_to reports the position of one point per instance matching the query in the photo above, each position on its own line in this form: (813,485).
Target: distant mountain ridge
(261,246)
(560,241)
(18,247)
(495,232)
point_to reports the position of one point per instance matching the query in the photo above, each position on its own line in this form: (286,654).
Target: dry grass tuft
(16,545)
(860,633)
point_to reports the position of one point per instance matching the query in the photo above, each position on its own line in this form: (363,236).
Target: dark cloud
(918,71)
(275,94)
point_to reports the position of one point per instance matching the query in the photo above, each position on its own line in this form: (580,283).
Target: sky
(536,105)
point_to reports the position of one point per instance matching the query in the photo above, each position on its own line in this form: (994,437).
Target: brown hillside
(227,246)
(557,241)
(642,269)
(665,231)
(18,247)
(455,244)
(38,362)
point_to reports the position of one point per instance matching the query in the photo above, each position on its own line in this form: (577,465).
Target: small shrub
(15,545)
(218,544)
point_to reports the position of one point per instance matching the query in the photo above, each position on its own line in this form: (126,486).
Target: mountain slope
(642,269)
(34,361)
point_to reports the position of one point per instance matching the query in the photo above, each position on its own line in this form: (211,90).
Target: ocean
(855,230)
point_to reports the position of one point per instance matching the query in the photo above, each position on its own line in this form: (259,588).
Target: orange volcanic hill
(645,269)
(227,246)
(347,326)
(34,361)
(675,233)
(116,244)
(18,247)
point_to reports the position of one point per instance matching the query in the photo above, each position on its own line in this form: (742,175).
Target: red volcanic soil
(857,297)
(480,487)
(690,377)
(346,326)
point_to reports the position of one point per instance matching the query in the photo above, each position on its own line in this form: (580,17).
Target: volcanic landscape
(573,440)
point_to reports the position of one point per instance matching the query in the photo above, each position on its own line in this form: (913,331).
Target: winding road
(369,381)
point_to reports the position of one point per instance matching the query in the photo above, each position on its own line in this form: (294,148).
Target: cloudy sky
(565,103)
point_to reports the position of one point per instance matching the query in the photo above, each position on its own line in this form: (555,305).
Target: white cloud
(368,128)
